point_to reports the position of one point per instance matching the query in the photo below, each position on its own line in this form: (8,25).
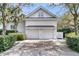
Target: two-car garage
(40,32)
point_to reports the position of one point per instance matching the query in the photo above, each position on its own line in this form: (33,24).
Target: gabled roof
(42,8)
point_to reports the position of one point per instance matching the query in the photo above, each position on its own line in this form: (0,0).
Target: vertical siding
(21,27)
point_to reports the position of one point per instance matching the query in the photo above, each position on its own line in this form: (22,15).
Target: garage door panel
(46,34)
(40,33)
(32,33)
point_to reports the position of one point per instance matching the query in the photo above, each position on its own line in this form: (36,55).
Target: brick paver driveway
(40,48)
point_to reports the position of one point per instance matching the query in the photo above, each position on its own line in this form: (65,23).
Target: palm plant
(4,10)
(16,16)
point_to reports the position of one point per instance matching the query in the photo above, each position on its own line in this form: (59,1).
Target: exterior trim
(40,19)
(40,26)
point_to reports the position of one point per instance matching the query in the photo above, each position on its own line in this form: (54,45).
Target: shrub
(65,30)
(18,36)
(8,31)
(0,31)
(6,42)
(73,41)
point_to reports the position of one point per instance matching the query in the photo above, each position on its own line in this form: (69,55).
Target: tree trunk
(4,23)
(4,19)
(75,25)
(4,28)
(15,26)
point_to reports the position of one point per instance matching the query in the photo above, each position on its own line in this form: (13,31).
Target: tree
(17,13)
(4,10)
(66,21)
(73,8)
(16,16)
(8,11)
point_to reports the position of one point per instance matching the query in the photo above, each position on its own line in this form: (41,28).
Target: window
(40,14)
(12,26)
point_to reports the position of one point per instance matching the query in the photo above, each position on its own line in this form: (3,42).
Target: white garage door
(32,33)
(45,33)
(40,33)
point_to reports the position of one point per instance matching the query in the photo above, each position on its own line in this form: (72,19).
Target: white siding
(60,35)
(53,23)
(8,26)
(21,27)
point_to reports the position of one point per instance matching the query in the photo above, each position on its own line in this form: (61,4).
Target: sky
(57,10)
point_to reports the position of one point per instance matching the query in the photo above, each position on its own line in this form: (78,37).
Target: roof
(42,8)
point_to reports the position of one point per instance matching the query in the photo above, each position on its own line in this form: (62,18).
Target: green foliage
(6,42)
(66,21)
(8,31)
(73,41)
(72,34)
(65,30)
(18,36)
(16,15)
(0,31)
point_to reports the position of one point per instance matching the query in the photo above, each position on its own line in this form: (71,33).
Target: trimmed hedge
(19,36)
(7,32)
(6,42)
(73,41)
(10,31)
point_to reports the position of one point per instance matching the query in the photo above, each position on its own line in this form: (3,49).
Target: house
(40,23)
